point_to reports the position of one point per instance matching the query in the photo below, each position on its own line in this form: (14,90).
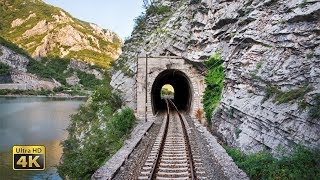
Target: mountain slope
(43,30)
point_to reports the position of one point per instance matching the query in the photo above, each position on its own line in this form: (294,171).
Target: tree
(147,3)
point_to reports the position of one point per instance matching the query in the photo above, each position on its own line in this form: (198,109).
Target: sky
(116,15)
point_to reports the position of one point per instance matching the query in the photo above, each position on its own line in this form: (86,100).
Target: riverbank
(47,96)
(43,93)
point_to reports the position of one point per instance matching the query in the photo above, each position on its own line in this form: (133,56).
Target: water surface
(33,121)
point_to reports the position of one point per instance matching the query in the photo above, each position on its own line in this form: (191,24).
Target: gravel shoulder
(132,166)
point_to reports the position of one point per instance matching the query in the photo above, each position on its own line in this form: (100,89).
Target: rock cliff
(19,77)
(271,53)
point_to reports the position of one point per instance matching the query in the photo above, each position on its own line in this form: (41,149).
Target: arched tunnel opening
(182,90)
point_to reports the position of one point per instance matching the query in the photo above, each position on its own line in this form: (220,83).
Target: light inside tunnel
(167,91)
(182,90)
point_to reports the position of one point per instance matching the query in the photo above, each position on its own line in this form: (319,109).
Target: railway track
(171,155)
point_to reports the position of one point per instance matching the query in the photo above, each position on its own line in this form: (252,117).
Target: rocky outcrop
(19,78)
(14,60)
(84,67)
(262,43)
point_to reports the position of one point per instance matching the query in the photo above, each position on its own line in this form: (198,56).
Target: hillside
(43,30)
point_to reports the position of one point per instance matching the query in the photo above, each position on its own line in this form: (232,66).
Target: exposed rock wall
(263,43)
(19,77)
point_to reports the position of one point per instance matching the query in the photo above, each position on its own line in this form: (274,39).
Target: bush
(302,164)
(4,69)
(158,10)
(88,80)
(214,80)
(139,22)
(314,111)
(50,68)
(102,130)
(289,96)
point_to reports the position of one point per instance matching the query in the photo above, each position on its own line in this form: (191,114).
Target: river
(34,121)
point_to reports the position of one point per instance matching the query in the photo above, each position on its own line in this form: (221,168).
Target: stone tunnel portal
(183,90)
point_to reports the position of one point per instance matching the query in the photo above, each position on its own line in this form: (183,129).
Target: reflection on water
(33,121)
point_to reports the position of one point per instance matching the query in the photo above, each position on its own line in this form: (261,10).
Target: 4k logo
(28,157)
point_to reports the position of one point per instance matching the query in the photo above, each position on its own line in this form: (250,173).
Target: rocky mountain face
(43,30)
(271,53)
(19,77)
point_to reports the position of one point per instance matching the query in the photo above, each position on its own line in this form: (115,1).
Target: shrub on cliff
(214,80)
(96,132)
(302,164)
(4,69)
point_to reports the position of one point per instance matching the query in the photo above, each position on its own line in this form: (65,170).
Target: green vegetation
(120,64)
(50,68)
(139,22)
(13,47)
(167,91)
(41,92)
(292,96)
(303,3)
(96,132)
(214,80)
(57,68)
(281,21)
(88,80)
(237,132)
(254,73)
(302,164)
(101,60)
(4,69)
(296,95)
(158,10)
(314,111)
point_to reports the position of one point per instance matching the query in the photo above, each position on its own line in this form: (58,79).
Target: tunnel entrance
(182,90)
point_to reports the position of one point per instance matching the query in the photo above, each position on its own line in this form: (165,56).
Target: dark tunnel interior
(182,90)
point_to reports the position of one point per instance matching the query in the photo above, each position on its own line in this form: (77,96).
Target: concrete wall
(153,66)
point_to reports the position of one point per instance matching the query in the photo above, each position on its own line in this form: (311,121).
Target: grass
(214,81)
(302,164)
(103,130)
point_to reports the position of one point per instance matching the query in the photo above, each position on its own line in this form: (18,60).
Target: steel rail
(187,141)
(158,158)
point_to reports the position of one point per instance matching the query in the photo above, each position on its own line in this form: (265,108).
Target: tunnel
(182,90)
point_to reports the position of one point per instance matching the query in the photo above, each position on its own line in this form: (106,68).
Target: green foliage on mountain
(4,69)
(43,30)
(302,164)
(214,80)
(96,132)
